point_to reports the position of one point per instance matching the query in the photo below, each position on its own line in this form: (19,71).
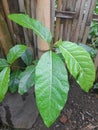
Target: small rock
(19,111)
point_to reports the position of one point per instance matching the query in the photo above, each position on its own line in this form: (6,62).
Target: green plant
(49,75)
(93,33)
(96,8)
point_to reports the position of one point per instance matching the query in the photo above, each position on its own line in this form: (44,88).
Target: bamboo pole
(21,6)
(52,16)
(33,15)
(43,15)
(6,11)
(28,6)
(58,22)
(5,39)
(28,11)
(2,52)
(23,10)
(96,61)
(25,7)
(18,31)
(88,22)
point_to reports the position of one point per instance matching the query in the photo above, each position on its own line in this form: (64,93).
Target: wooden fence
(73,19)
(11,33)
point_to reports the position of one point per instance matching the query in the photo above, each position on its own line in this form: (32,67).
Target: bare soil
(80,112)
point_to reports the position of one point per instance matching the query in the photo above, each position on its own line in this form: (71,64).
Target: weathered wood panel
(74,18)
(16,33)
(7,11)
(96,66)
(5,39)
(57,30)
(75,27)
(33,8)
(73,24)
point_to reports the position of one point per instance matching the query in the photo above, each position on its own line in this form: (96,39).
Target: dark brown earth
(80,112)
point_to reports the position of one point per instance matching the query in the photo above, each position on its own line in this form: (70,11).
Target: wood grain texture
(58,20)
(88,22)
(43,15)
(70,6)
(6,12)
(96,61)
(75,29)
(5,39)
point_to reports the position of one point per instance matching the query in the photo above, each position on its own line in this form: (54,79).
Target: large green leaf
(3,63)
(26,79)
(27,22)
(15,52)
(14,81)
(27,56)
(51,86)
(79,64)
(4,79)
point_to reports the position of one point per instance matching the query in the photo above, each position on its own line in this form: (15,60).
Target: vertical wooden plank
(34,39)
(5,39)
(70,6)
(28,6)
(28,11)
(23,10)
(25,31)
(90,15)
(84,19)
(96,61)
(21,6)
(52,16)
(85,35)
(6,11)
(75,20)
(28,36)
(58,22)
(33,8)
(64,4)
(43,14)
(13,6)
(81,13)
(18,31)
(2,55)
(63,21)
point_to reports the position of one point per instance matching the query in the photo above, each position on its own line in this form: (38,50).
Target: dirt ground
(80,112)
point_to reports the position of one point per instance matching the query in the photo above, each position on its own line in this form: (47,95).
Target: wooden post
(96,61)
(43,15)
(22,9)
(6,11)
(89,19)
(96,66)
(5,39)
(58,21)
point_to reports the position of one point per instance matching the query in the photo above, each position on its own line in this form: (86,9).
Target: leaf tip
(20,92)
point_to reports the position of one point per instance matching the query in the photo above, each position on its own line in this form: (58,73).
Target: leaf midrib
(50,82)
(31,26)
(73,57)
